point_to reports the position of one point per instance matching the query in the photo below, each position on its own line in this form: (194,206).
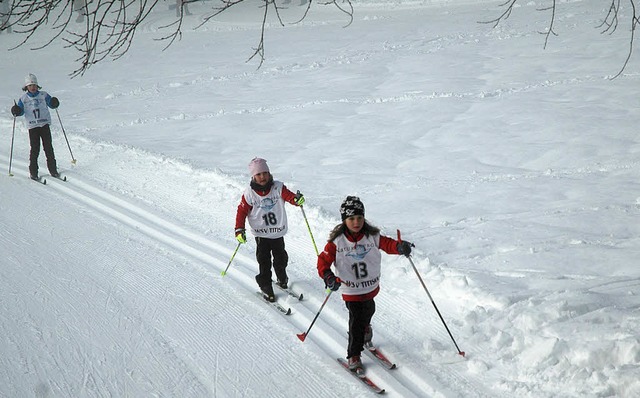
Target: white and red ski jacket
(357,262)
(265,211)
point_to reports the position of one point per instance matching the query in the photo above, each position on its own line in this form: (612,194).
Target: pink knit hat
(257,166)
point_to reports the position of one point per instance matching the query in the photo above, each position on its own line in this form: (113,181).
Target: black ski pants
(35,135)
(265,250)
(360,314)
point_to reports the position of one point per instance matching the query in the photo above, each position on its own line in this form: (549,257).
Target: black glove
(331,281)
(16,111)
(55,102)
(404,247)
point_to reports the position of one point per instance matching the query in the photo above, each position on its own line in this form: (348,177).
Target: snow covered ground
(514,169)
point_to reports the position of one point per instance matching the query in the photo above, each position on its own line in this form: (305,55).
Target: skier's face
(261,178)
(32,88)
(354,223)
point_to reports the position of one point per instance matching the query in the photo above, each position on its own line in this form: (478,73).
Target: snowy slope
(513,169)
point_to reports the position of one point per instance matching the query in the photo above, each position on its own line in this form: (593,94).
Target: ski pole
(304,215)
(432,301)
(303,336)
(13,133)
(223,273)
(73,160)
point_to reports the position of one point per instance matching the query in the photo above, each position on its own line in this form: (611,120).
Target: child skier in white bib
(263,205)
(354,249)
(34,105)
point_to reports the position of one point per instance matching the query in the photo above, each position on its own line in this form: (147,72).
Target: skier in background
(263,204)
(34,105)
(354,248)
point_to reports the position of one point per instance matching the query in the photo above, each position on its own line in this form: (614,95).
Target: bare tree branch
(634,24)
(260,49)
(347,10)
(505,15)
(611,19)
(609,23)
(110,26)
(552,20)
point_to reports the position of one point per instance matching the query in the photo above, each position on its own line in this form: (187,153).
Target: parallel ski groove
(193,244)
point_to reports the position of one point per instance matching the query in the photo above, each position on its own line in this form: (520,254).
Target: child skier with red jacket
(354,248)
(263,204)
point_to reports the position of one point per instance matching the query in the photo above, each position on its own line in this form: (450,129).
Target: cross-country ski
(290,292)
(362,377)
(378,356)
(275,304)
(60,178)
(41,180)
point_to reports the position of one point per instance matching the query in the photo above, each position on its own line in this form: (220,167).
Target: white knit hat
(30,79)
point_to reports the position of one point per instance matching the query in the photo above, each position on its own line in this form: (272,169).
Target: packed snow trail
(200,259)
(141,318)
(513,167)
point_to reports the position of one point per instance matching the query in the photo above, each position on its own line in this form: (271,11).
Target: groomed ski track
(206,257)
